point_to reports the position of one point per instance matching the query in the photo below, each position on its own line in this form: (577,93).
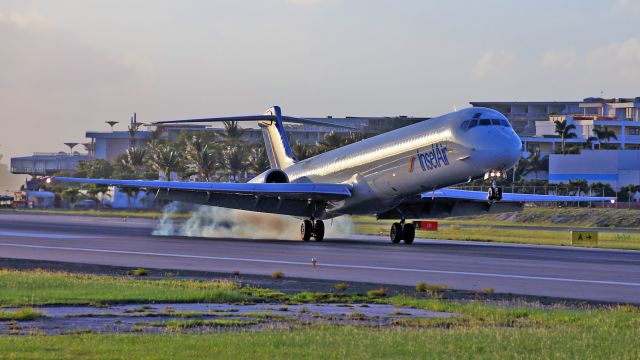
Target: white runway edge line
(365,267)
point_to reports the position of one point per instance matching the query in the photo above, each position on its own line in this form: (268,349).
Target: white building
(622,116)
(525,115)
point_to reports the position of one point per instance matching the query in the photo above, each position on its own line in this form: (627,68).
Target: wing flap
(508,197)
(299,191)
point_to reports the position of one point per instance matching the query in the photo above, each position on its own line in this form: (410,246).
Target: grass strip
(544,236)
(24,314)
(38,287)
(348,342)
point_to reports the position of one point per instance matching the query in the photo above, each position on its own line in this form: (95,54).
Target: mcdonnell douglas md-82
(401,174)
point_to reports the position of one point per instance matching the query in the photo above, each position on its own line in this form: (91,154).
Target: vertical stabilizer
(276,141)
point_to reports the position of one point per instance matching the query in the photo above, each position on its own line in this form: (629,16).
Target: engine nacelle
(271,176)
(276,176)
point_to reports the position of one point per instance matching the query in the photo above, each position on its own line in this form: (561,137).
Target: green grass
(481,331)
(24,314)
(545,236)
(38,287)
(549,217)
(19,288)
(349,342)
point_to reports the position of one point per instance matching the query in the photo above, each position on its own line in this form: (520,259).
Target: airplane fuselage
(388,168)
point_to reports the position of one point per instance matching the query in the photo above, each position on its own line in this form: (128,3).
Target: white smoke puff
(211,221)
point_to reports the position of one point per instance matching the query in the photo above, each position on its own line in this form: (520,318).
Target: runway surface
(590,274)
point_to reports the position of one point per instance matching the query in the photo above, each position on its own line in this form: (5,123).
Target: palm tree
(164,159)
(235,160)
(565,131)
(302,150)
(579,186)
(520,169)
(135,159)
(232,132)
(536,164)
(604,134)
(202,157)
(589,143)
(330,141)
(258,160)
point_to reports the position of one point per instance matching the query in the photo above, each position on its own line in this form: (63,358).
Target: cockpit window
(485,122)
(477,115)
(473,123)
(495,121)
(464,124)
(505,123)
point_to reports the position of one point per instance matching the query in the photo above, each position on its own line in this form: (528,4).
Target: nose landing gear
(310,228)
(401,231)
(495,192)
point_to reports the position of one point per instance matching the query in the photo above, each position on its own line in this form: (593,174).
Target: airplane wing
(300,199)
(447,202)
(509,197)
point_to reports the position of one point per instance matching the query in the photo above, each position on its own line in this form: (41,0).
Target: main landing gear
(401,231)
(310,228)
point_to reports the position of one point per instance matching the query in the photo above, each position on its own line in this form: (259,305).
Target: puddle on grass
(151,318)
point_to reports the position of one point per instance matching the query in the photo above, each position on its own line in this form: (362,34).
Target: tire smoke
(211,221)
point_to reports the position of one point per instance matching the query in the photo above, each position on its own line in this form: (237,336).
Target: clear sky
(68,66)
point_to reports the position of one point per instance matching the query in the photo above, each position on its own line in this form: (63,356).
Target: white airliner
(401,174)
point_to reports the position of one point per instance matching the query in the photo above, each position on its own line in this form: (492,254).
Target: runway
(589,274)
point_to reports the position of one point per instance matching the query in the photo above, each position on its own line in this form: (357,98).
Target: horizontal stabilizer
(289,119)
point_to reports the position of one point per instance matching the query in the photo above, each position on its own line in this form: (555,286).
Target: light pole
(111,123)
(71,145)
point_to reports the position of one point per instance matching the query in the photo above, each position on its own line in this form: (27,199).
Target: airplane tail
(276,140)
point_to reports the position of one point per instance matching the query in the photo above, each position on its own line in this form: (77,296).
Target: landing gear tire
(306,230)
(408,233)
(396,233)
(494,194)
(318,230)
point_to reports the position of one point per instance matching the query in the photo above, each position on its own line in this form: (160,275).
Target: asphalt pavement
(564,272)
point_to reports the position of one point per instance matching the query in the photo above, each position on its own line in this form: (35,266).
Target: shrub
(24,314)
(277,274)
(139,272)
(356,315)
(341,286)
(488,290)
(431,289)
(377,293)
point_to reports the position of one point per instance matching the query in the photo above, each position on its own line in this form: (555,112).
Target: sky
(67,66)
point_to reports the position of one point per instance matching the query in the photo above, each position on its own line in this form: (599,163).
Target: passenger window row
(468,124)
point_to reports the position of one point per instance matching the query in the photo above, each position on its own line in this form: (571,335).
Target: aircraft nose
(497,148)
(508,148)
